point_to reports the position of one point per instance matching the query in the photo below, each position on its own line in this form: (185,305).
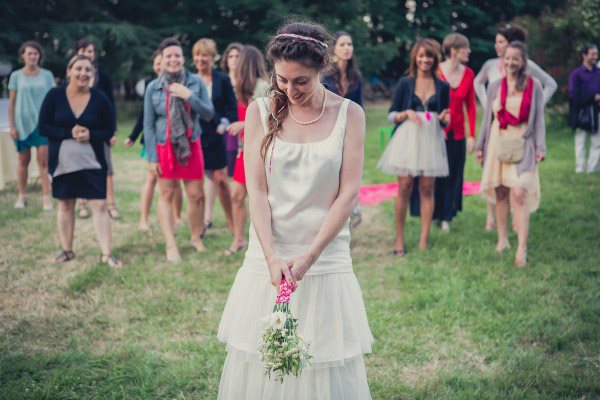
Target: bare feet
(423,245)
(144,226)
(502,245)
(490,226)
(173,255)
(521,257)
(178,223)
(47,203)
(198,244)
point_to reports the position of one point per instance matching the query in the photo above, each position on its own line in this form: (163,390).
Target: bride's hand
(300,264)
(279,269)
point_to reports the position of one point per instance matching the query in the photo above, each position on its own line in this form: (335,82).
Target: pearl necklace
(318,117)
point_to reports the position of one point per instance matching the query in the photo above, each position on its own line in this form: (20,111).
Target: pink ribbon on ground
(375,194)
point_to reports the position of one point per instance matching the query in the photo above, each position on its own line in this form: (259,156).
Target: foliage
(128,31)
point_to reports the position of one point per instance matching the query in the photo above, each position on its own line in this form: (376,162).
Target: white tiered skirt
(332,319)
(416,150)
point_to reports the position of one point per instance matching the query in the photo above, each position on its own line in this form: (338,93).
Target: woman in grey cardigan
(493,70)
(512,142)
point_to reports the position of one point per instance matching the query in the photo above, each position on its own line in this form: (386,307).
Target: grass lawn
(456,322)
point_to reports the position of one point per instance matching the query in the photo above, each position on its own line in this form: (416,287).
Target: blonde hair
(205,46)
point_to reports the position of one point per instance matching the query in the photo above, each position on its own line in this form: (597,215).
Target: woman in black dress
(78,121)
(101,81)
(221,93)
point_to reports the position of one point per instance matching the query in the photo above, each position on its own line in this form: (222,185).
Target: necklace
(318,117)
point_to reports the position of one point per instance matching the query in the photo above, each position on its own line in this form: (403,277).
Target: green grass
(456,322)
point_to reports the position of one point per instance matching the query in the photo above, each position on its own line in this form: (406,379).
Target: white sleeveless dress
(302,185)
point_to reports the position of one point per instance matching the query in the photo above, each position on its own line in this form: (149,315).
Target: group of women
(429,147)
(301,167)
(215,103)
(193,124)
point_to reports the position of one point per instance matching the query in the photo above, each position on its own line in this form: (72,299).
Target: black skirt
(448,190)
(214,151)
(85,184)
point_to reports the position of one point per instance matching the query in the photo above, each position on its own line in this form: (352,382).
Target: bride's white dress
(302,185)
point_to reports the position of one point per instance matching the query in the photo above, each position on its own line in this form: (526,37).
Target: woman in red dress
(250,83)
(173,105)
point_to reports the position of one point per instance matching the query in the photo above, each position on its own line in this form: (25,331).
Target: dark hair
(313,53)
(168,42)
(155,54)
(514,32)
(232,46)
(522,73)
(432,49)
(250,68)
(352,71)
(585,49)
(454,41)
(82,44)
(34,45)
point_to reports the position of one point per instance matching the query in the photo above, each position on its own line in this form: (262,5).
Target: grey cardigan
(535,134)
(155,116)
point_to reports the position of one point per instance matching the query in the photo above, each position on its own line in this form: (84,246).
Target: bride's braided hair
(302,42)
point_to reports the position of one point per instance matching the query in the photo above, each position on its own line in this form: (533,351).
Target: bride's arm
(345,202)
(256,184)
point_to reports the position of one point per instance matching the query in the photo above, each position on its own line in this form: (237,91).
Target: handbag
(585,119)
(511,149)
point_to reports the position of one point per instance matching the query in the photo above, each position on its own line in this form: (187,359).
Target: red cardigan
(461,96)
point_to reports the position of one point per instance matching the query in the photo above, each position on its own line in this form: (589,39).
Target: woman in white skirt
(304,156)
(417,149)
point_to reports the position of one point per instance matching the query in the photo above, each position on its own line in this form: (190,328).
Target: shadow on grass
(128,374)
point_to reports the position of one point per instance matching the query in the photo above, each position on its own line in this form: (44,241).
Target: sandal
(111,261)
(398,252)
(113,212)
(83,213)
(208,224)
(64,256)
(229,252)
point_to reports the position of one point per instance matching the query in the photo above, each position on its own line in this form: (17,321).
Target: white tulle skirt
(332,319)
(416,150)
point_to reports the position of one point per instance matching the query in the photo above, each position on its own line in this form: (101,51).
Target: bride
(304,156)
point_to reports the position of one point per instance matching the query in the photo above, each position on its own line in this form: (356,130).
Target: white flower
(278,319)
(265,322)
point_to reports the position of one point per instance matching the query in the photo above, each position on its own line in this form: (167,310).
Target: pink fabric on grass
(375,194)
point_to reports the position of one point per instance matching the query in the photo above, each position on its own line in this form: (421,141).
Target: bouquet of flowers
(282,351)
